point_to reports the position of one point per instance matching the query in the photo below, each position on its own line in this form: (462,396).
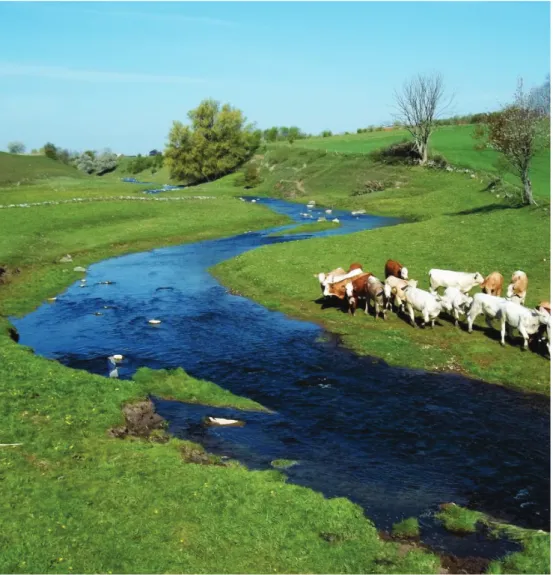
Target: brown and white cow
(324,278)
(517,288)
(357,288)
(493,284)
(394,268)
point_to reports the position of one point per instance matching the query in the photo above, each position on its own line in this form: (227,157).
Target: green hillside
(455,143)
(24,169)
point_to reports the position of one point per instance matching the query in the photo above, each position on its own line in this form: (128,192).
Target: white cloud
(61,73)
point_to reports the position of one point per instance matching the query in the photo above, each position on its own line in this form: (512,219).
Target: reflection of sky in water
(396,441)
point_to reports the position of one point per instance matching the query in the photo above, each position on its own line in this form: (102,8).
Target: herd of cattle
(400,292)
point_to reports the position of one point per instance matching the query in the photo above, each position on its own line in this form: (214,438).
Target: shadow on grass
(486,209)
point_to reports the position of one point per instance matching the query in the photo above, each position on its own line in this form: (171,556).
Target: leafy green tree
(271,135)
(16,148)
(217,142)
(50,151)
(518,133)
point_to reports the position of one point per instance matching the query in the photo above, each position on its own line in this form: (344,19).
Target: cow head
(404,273)
(478,278)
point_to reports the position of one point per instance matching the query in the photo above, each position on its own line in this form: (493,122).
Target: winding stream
(396,441)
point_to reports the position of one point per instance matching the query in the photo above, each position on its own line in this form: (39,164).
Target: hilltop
(25,169)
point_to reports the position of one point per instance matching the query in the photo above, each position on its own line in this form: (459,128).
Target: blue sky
(116,74)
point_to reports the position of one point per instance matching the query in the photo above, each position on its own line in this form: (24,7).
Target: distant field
(19,168)
(453,142)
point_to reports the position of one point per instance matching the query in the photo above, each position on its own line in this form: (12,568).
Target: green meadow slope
(455,223)
(453,142)
(74,499)
(26,169)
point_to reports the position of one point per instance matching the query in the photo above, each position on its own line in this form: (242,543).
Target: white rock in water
(154,321)
(253,201)
(52,299)
(117,357)
(328,211)
(336,220)
(79,269)
(223,421)
(321,220)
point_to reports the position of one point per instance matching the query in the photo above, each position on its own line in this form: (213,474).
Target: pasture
(455,143)
(87,502)
(455,224)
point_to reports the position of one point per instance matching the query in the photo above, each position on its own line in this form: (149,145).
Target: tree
(217,141)
(16,148)
(271,135)
(540,98)
(518,132)
(419,104)
(154,153)
(50,151)
(98,164)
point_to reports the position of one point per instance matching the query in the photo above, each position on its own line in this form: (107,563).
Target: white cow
(527,321)
(446,278)
(423,301)
(399,297)
(455,302)
(489,305)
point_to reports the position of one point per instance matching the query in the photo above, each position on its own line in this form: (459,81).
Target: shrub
(403,152)
(439,161)
(249,178)
(371,186)
(326,134)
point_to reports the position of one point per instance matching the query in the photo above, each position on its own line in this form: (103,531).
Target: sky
(91,75)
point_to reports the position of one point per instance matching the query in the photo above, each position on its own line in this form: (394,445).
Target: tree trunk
(422,149)
(528,196)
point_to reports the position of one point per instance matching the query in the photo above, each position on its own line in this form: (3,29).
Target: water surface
(396,441)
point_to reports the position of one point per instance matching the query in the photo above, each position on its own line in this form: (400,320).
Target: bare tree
(518,132)
(420,103)
(540,98)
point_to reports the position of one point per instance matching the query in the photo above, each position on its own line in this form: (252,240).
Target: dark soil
(450,563)
(6,273)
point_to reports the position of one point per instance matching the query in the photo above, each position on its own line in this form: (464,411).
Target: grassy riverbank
(77,500)
(455,224)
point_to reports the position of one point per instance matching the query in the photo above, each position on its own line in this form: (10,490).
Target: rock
(336,220)
(220,421)
(52,299)
(79,269)
(472,176)
(66,259)
(328,211)
(140,419)
(154,321)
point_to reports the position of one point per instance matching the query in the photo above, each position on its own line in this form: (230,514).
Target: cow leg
(503,322)
(470,320)
(489,322)
(525,336)
(456,316)
(425,318)
(411,313)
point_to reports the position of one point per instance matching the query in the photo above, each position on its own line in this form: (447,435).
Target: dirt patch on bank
(450,564)
(7,273)
(141,420)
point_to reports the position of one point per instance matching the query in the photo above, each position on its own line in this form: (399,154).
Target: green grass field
(78,501)
(453,142)
(26,169)
(457,225)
